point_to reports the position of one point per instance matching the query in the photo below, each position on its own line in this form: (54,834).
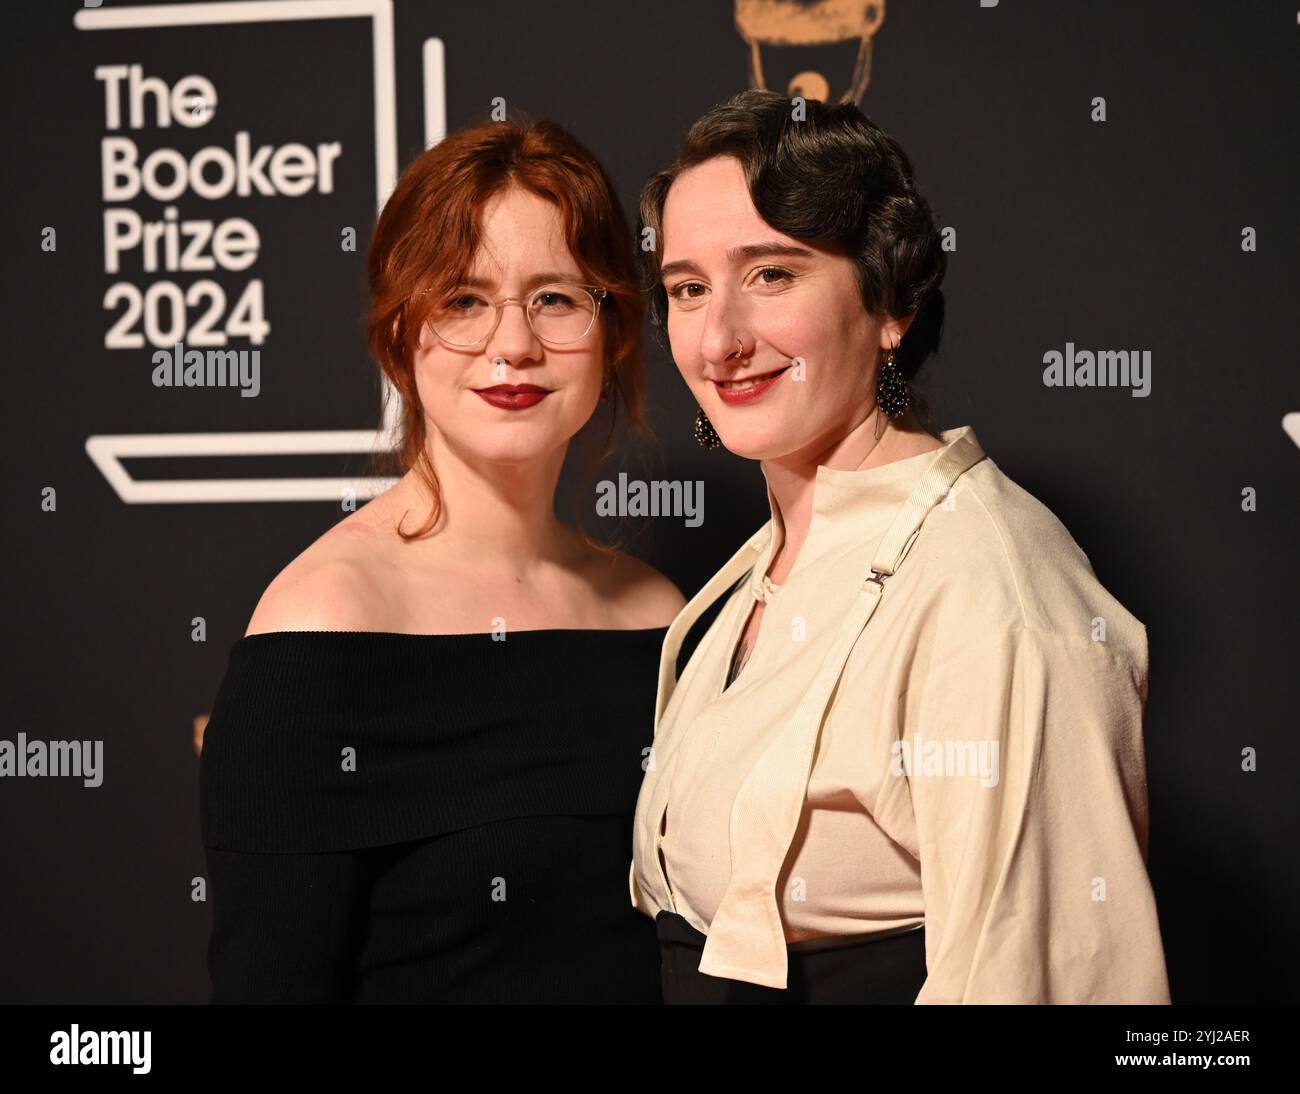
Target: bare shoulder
(641,595)
(331,586)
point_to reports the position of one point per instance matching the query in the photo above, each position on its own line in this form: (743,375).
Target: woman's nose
(723,319)
(513,337)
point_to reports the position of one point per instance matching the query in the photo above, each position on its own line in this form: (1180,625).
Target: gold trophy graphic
(811,23)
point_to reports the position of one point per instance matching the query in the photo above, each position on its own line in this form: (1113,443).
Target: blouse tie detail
(746,939)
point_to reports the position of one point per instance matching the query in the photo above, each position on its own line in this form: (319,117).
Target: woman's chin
(749,444)
(511,445)
(746,452)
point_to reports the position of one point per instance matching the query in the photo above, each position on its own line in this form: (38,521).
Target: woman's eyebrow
(536,279)
(740,254)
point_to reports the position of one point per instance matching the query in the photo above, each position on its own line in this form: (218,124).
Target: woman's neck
(493,516)
(793,478)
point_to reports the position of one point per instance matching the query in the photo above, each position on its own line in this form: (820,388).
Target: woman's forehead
(524,237)
(708,207)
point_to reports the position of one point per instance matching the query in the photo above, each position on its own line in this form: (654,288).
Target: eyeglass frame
(597,293)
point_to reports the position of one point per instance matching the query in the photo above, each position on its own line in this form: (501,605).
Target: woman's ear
(892,331)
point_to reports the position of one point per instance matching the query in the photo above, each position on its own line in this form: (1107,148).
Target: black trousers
(882,970)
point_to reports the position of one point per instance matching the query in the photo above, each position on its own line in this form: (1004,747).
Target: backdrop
(1117,180)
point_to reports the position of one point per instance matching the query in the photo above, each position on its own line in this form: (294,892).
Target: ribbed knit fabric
(397,818)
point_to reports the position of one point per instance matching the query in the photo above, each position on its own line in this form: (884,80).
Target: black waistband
(676,928)
(877,968)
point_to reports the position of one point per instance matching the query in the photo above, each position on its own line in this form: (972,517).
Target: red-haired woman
(418,779)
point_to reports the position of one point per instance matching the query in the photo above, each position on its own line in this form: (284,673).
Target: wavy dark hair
(834,178)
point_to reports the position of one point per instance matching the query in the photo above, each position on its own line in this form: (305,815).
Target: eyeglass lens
(558,313)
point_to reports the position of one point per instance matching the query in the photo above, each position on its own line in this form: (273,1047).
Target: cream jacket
(940,723)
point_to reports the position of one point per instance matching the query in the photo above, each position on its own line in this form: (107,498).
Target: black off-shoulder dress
(398,818)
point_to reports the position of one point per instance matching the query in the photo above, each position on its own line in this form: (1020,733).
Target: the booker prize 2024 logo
(191,324)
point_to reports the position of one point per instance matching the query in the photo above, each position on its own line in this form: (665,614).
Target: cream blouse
(940,722)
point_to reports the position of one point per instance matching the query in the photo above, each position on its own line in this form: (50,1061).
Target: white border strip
(1291,424)
(108,452)
(435,92)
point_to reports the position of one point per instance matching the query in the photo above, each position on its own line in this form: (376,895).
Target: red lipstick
(512,396)
(736,396)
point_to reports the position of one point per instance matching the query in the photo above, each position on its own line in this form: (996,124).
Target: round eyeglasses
(559,313)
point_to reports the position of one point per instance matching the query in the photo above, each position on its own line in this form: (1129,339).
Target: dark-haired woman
(418,779)
(905,761)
